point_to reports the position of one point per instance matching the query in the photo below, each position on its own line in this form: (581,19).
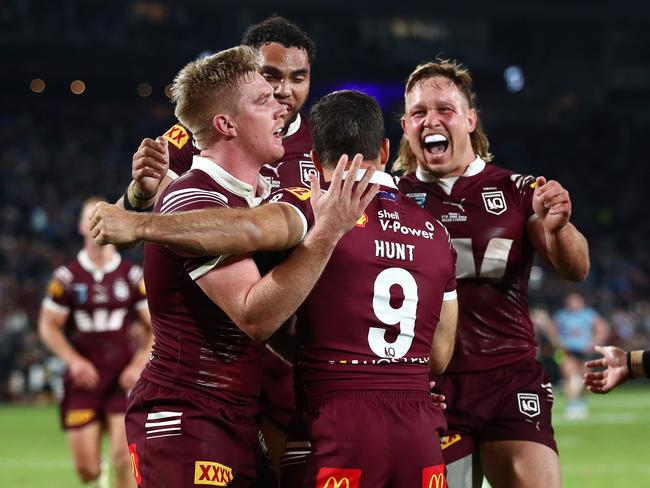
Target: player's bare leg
(120,452)
(85,445)
(465,472)
(520,464)
(572,371)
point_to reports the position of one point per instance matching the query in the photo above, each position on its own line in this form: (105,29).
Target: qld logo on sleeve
(528,404)
(494,201)
(434,477)
(213,474)
(338,478)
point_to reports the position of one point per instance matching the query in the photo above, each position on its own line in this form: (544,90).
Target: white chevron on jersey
(521,181)
(176,200)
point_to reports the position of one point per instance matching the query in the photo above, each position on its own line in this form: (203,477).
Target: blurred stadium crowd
(579,114)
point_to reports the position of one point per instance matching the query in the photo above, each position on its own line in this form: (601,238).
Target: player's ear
(224,125)
(316,160)
(472,117)
(384,153)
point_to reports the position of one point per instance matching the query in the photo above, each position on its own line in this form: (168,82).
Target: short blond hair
(460,76)
(208,86)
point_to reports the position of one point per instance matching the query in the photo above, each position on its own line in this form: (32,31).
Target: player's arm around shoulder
(556,239)
(260,305)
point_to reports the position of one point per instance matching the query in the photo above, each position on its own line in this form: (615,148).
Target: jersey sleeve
(136,282)
(186,199)
(181,150)
(524,186)
(58,294)
(298,198)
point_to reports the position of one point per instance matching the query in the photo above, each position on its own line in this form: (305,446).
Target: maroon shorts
(277,399)
(80,407)
(367,439)
(180,439)
(510,403)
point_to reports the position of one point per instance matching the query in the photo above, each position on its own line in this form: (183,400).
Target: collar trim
(293,126)
(229,182)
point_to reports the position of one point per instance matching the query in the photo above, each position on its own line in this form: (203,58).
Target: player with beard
(192,417)
(287,55)
(85,320)
(499,399)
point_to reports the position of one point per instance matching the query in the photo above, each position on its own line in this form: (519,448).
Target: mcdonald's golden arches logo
(338,478)
(434,477)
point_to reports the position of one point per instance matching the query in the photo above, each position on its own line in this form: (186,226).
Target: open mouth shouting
(435,144)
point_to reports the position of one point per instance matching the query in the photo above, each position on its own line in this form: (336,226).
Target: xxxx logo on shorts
(434,477)
(338,478)
(177,135)
(214,474)
(135,464)
(77,417)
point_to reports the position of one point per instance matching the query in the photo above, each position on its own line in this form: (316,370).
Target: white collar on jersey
(379,177)
(293,126)
(98,273)
(232,184)
(474,168)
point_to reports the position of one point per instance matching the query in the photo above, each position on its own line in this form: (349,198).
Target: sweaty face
(259,120)
(287,70)
(438,123)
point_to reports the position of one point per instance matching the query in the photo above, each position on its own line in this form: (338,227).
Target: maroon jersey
(102,303)
(486,211)
(197,346)
(369,321)
(291,170)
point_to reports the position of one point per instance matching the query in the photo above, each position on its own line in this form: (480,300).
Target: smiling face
(259,120)
(438,122)
(287,70)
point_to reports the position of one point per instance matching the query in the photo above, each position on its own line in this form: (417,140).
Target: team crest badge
(494,201)
(528,404)
(307,168)
(121,290)
(419,198)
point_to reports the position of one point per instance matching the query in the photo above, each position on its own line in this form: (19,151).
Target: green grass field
(610,449)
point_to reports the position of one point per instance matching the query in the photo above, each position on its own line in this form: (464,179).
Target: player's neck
(328,171)
(235,162)
(99,255)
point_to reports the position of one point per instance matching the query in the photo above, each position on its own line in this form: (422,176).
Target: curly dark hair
(278,29)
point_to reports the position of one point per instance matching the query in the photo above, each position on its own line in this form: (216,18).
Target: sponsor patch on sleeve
(177,135)
(55,289)
(300,192)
